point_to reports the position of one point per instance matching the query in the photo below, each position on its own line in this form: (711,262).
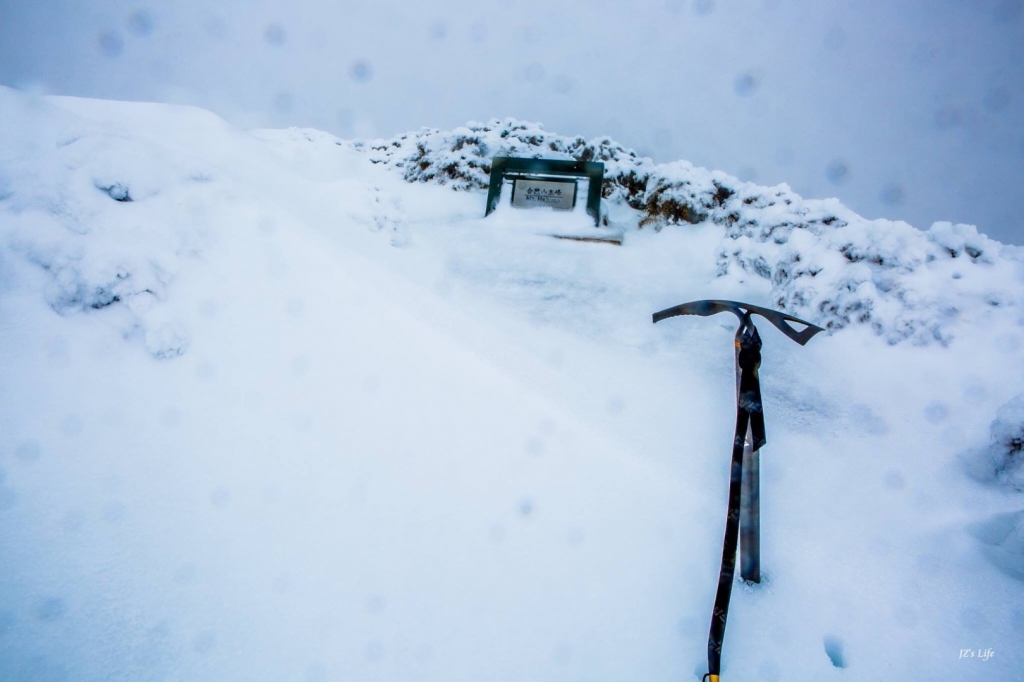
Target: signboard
(530,192)
(545,174)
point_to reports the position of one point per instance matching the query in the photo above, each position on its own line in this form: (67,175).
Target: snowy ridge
(824,262)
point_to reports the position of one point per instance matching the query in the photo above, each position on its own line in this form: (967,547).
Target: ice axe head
(744,311)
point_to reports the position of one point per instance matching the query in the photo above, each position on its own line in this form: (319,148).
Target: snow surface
(269,411)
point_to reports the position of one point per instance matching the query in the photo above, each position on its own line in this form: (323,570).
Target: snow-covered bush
(836,269)
(83,203)
(824,262)
(1002,460)
(461,159)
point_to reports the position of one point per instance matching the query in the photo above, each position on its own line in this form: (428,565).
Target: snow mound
(1002,539)
(822,261)
(85,204)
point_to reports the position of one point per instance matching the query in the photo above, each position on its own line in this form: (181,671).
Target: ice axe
(744,486)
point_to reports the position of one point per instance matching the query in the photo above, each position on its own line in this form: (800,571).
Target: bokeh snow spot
(29,451)
(204,643)
(283,101)
(315,673)
(703,6)
(1007,11)
(894,480)
(274,34)
(71,425)
(746,84)
(185,574)
(220,497)
(50,609)
(141,23)
(526,506)
(837,172)
(892,194)
(8,497)
(110,44)
(361,71)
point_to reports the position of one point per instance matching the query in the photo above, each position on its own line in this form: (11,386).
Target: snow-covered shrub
(1002,460)
(109,265)
(461,159)
(80,202)
(835,268)
(824,262)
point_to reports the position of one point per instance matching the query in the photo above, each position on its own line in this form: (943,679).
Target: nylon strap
(749,411)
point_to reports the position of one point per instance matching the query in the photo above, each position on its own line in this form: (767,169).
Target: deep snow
(285,415)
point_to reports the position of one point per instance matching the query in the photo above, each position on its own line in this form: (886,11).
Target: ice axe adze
(744,486)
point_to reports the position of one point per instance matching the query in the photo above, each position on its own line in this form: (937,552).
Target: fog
(909,110)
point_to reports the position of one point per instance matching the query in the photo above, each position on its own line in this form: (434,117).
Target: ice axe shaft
(743,519)
(750,514)
(750,502)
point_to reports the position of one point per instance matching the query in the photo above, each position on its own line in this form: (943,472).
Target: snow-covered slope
(270,411)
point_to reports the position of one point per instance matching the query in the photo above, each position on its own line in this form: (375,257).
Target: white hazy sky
(909,109)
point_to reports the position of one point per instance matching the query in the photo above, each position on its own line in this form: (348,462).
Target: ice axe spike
(744,490)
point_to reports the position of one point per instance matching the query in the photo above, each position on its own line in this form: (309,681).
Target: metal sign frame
(536,169)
